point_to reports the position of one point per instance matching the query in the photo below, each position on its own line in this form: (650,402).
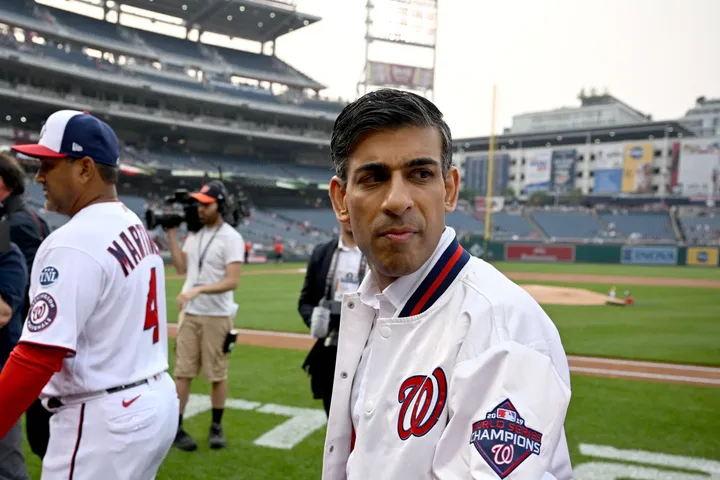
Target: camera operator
(13,285)
(335,268)
(211,258)
(27,231)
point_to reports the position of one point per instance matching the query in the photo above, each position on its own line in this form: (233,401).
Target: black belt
(55,402)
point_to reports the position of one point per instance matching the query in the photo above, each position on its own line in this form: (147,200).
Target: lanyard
(331,271)
(201,256)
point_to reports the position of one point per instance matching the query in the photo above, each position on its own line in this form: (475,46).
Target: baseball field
(645,377)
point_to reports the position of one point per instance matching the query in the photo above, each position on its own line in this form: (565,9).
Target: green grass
(621,413)
(609,269)
(266,302)
(666,324)
(631,414)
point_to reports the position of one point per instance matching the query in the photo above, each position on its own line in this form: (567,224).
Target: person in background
(335,268)
(28,229)
(13,285)
(278,251)
(211,259)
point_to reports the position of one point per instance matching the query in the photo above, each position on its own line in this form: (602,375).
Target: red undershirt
(23,377)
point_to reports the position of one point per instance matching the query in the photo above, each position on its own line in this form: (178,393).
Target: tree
(538,197)
(575,197)
(508,193)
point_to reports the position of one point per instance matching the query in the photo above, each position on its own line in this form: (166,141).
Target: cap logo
(205,189)
(76,147)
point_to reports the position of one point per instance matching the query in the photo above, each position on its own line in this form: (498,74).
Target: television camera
(181,208)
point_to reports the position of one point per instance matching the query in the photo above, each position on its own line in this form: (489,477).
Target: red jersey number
(151,313)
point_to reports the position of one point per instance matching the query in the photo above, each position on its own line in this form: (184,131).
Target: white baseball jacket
(468,379)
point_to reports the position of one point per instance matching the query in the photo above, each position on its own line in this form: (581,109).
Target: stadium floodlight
(410,24)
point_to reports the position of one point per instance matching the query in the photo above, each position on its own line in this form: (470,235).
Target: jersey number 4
(151,313)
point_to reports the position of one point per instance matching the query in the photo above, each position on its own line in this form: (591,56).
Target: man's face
(395,198)
(208,213)
(62,182)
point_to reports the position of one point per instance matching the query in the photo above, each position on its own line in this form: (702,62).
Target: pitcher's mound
(545,294)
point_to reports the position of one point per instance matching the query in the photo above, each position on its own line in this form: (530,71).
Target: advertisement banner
(496,204)
(608,168)
(537,170)
(699,167)
(649,255)
(475,170)
(399,75)
(637,168)
(540,253)
(702,257)
(563,170)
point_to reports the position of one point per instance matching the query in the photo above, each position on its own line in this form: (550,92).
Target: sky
(658,56)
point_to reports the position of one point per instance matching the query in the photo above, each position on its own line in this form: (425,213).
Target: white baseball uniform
(451,372)
(98,291)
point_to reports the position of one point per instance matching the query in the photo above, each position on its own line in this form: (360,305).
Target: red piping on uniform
(440,278)
(77,443)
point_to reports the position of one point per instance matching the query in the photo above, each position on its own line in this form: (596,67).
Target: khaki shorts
(199,342)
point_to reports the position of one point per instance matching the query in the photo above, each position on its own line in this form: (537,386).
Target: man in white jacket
(446,369)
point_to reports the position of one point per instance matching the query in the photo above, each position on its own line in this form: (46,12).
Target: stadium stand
(268,142)
(219,62)
(569,224)
(646,226)
(512,226)
(701,229)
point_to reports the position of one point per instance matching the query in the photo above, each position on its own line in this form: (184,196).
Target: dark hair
(12,174)
(385,109)
(107,173)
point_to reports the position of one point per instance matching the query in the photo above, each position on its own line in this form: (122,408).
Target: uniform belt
(55,402)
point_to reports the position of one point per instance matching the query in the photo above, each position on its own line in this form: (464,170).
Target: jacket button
(331,448)
(351,305)
(369,405)
(385,331)
(343,375)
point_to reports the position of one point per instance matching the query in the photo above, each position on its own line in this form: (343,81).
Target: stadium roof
(614,133)
(257,20)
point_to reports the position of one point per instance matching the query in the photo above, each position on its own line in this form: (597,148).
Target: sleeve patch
(48,275)
(503,440)
(42,312)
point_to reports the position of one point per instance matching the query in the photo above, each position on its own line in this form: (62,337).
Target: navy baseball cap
(211,192)
(75,134)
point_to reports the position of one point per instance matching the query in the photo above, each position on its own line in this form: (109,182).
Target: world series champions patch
(503,440)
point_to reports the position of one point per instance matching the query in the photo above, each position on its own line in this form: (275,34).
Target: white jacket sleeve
(506,413)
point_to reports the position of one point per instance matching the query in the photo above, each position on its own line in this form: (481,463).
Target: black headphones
(223,200)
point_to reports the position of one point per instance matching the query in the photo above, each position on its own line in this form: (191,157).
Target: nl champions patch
(42,312)
(48,275)
(503,440)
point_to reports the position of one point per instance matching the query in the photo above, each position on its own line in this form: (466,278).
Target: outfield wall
(584,253)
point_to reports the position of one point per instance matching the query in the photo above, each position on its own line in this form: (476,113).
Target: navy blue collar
(438,280)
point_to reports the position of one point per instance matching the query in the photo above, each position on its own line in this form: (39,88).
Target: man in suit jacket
(335,268)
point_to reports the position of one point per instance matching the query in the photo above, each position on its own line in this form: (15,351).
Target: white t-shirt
(98,291)
(218,247)
(346,278)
